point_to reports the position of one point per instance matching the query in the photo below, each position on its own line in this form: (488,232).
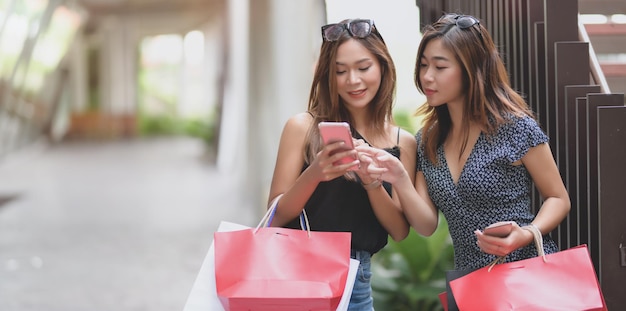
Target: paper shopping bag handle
(269,215)
(538,244)
(538,240)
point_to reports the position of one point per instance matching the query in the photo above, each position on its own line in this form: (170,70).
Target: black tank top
(343,205)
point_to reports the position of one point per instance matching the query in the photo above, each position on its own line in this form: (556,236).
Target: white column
(285,41)
(273,46)
(295,40)
(233,140)
(118,76)
(79,74)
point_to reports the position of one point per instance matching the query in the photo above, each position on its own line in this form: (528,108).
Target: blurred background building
(229,72)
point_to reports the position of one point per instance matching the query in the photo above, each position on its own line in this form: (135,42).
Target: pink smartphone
(499,229)
(337,131)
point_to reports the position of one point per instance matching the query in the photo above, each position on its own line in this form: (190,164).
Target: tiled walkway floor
(119,225)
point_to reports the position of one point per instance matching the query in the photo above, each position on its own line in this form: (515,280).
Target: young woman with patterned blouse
(479,152)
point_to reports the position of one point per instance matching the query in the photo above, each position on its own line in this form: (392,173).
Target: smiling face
(358,74)
(441,75)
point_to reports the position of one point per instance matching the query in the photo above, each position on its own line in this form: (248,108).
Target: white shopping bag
(203,296)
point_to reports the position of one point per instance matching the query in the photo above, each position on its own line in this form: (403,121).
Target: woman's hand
(380,164)
(502,246)
(328,163)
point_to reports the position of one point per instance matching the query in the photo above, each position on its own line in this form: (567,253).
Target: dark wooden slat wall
(612,197)
(571,179)
(540,91)
(582,169)
(594,101)
(549,66)
(561,22)
(571,68)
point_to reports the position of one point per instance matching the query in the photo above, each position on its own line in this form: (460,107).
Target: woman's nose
(427,74)
(353,77)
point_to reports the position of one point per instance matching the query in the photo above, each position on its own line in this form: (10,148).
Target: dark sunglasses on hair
(359,28)
(465,21)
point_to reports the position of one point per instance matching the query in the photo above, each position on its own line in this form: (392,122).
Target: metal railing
(597,75)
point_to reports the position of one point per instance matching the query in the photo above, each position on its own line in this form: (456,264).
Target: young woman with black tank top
(354,82)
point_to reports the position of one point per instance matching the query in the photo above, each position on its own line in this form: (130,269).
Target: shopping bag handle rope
(538,240)
(266,220)
(538,244)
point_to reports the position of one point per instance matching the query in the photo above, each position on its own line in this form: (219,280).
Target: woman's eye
(423,65)
(440,68)
(341,72)
(364,69)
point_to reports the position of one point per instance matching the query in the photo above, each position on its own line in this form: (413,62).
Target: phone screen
(337,131)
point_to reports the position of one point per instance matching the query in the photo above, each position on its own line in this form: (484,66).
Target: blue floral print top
(490,189)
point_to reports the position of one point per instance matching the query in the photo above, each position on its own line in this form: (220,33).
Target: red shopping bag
(443,298)
(565,280)
(280,269)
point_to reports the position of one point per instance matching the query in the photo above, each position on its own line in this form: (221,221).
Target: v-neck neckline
(469,157)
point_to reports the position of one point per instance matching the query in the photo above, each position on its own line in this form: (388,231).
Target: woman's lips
(356,94)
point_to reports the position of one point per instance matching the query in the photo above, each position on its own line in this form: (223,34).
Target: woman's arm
(409,189)
(288,178)
(392,219)
(419,209)
(556,205)
(545,174)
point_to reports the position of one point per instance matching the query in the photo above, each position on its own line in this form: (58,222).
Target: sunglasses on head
(465,21)
(358,28)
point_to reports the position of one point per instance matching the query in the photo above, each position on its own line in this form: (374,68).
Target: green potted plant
(409,275)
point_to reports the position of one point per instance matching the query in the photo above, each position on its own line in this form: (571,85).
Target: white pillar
(272,49)
(295,41)
(233,140)
(285,41)
(116,66)
(79,74)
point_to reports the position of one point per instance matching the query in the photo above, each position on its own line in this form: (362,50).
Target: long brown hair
(325,104)
(489,98)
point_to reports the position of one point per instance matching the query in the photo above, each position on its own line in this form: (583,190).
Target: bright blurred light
(194,48)
(618,18)
(593,18)
(162,49)
(55,42)
(13,40)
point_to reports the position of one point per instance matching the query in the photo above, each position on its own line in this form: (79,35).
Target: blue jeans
(361,299)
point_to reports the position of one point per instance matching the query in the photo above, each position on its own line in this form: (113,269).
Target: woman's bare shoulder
(406,138)
(300,122)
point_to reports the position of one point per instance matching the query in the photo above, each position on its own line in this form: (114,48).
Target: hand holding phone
(337,131)
(499,229)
